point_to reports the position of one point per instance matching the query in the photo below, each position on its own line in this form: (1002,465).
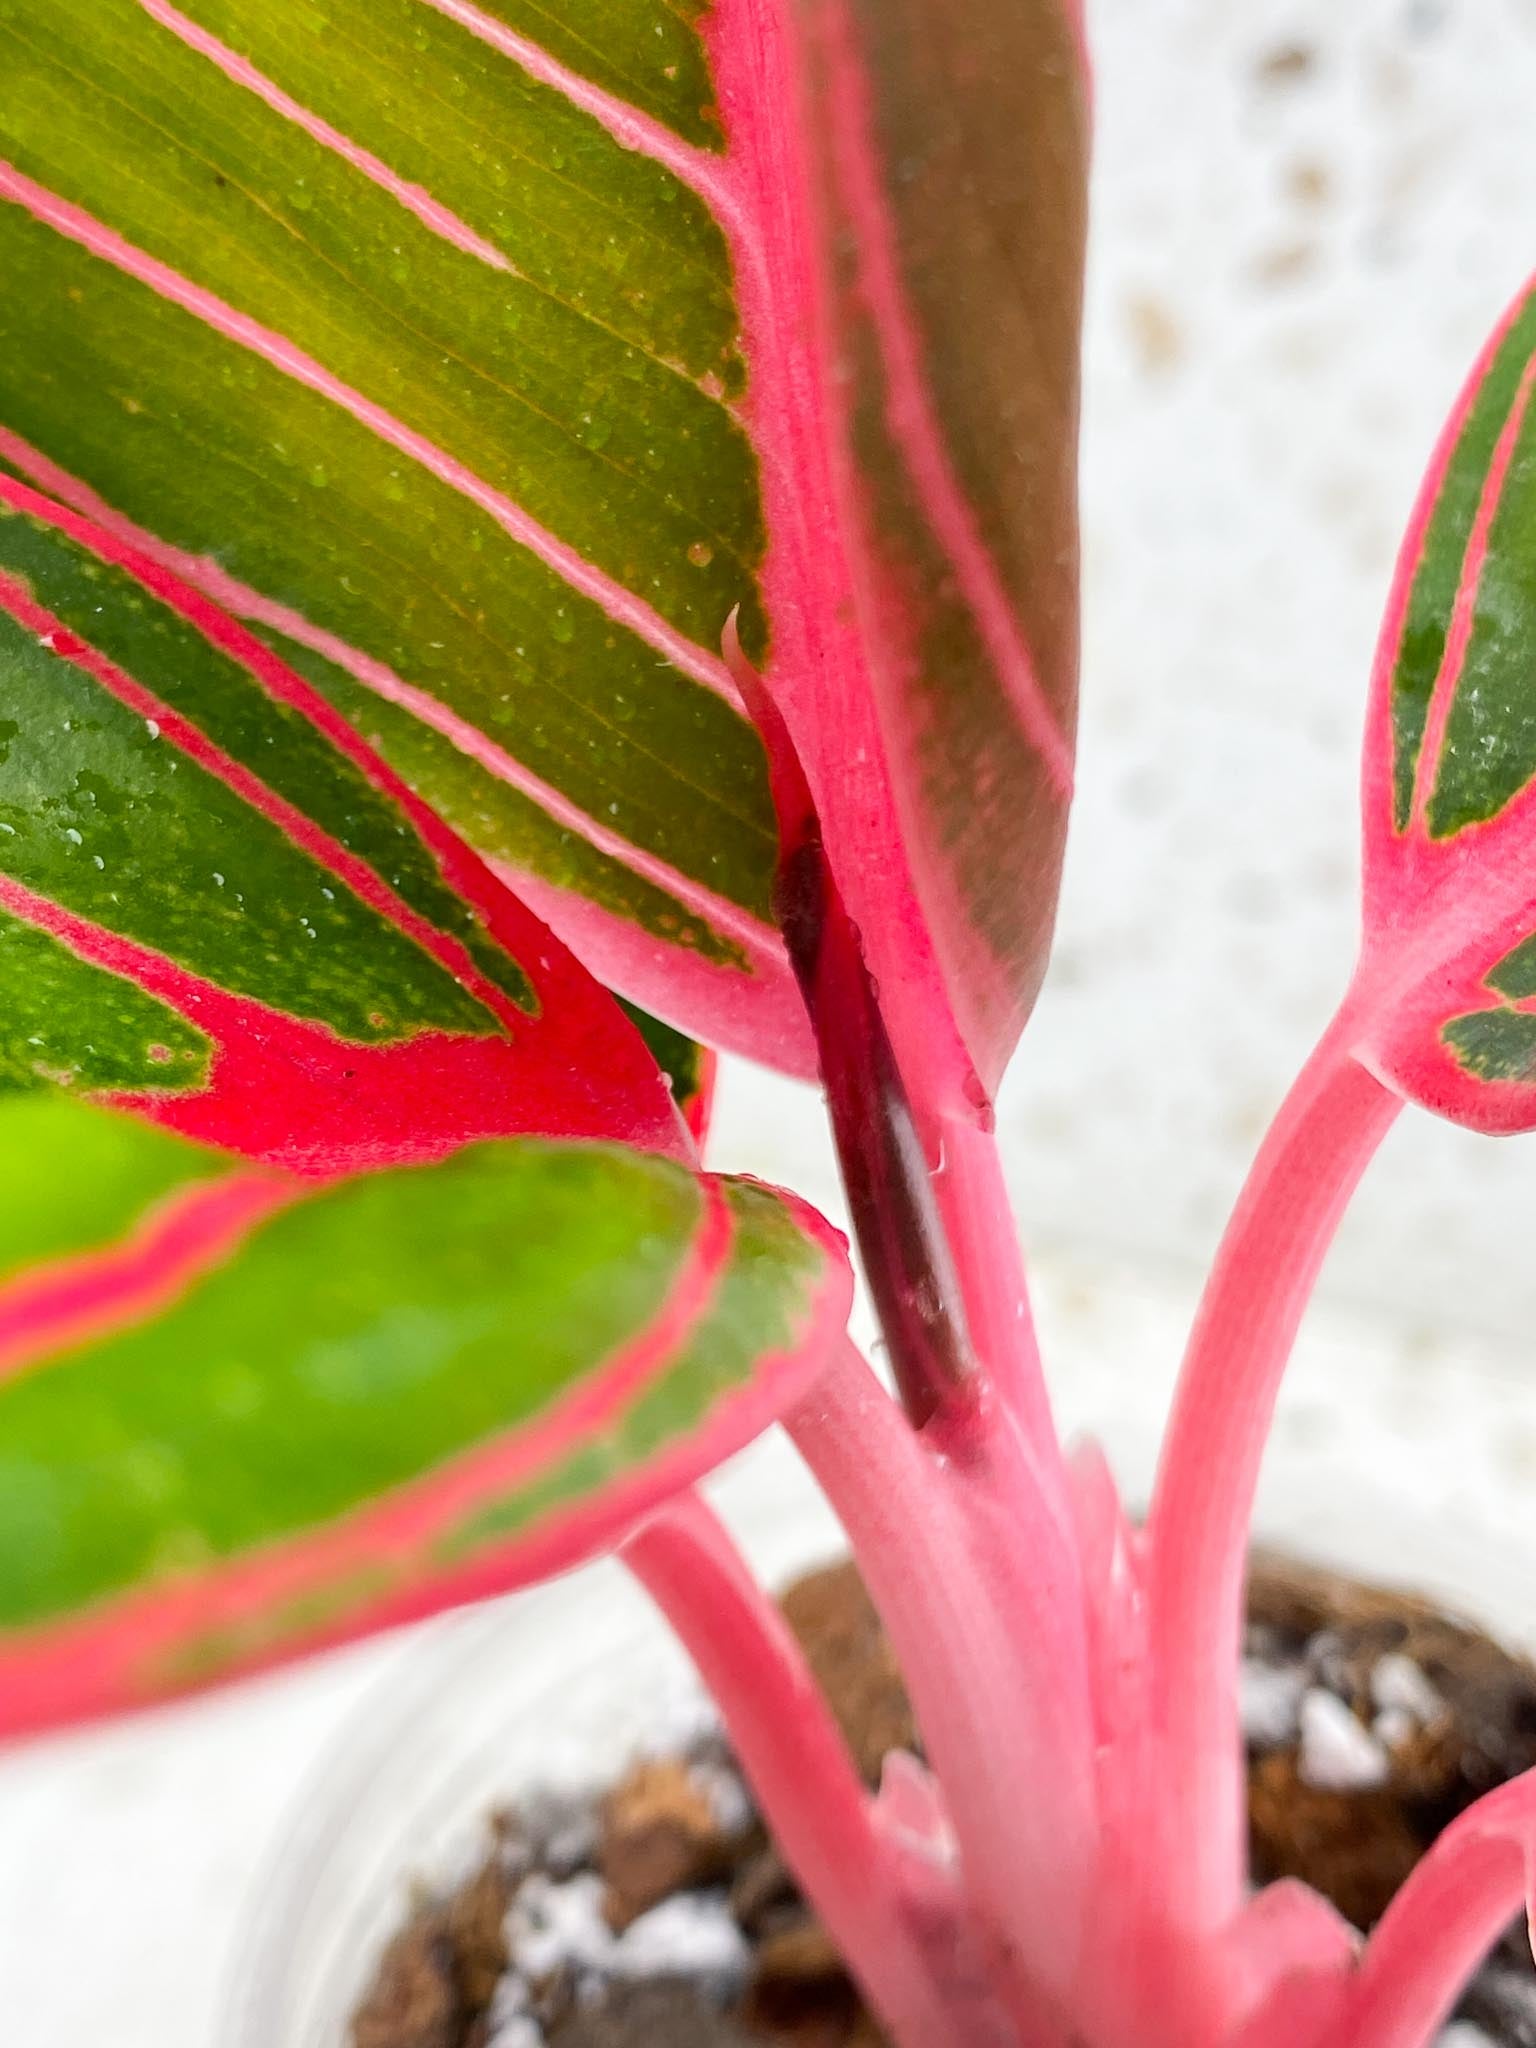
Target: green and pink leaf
(266,1415)
(942,156)
(1444,994)
(267,338)
(488,360)
(219,907)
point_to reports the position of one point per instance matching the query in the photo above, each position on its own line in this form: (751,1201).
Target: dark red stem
(902,1242)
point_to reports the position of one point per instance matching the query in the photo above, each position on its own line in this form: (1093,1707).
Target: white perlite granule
(692,1935)
(521,2031)
(1337,1753)
(510,2022)
(1398,1686)
(683,1722)
(729,1800)
(1462,2034)
(1269,1697)
(552,1927)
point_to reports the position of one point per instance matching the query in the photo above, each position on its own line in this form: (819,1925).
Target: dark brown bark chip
(1357,1847)
(846,1647)
(414,2000)
(474,1925)
(660,1833)
(764,1897)
(1374,1720)
(800,1992)
(440,1972)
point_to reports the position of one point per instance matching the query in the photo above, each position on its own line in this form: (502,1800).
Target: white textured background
(1308,215)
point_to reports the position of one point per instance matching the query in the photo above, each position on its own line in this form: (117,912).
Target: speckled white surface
(1307,216)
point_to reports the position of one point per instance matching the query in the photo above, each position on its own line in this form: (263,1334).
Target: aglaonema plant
(517,522)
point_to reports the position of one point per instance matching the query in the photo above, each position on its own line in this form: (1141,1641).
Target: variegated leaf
(218,907)
(1447,984)
(242,1415)
(487,357)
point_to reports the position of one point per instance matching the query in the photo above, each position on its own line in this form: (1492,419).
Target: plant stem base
(1439,1713)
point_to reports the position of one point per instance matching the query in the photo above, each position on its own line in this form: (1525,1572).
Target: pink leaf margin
(402,1558)
(295,1095)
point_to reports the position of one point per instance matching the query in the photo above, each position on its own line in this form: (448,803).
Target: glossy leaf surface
(1448,972)
(217,906)
(487,358)
(240,1415)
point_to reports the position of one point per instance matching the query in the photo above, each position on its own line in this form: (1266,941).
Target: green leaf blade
(370,1391)
(388,340)
(1448,965)
(1453,678)
(68,1022)
(76,1178)
(218,906)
